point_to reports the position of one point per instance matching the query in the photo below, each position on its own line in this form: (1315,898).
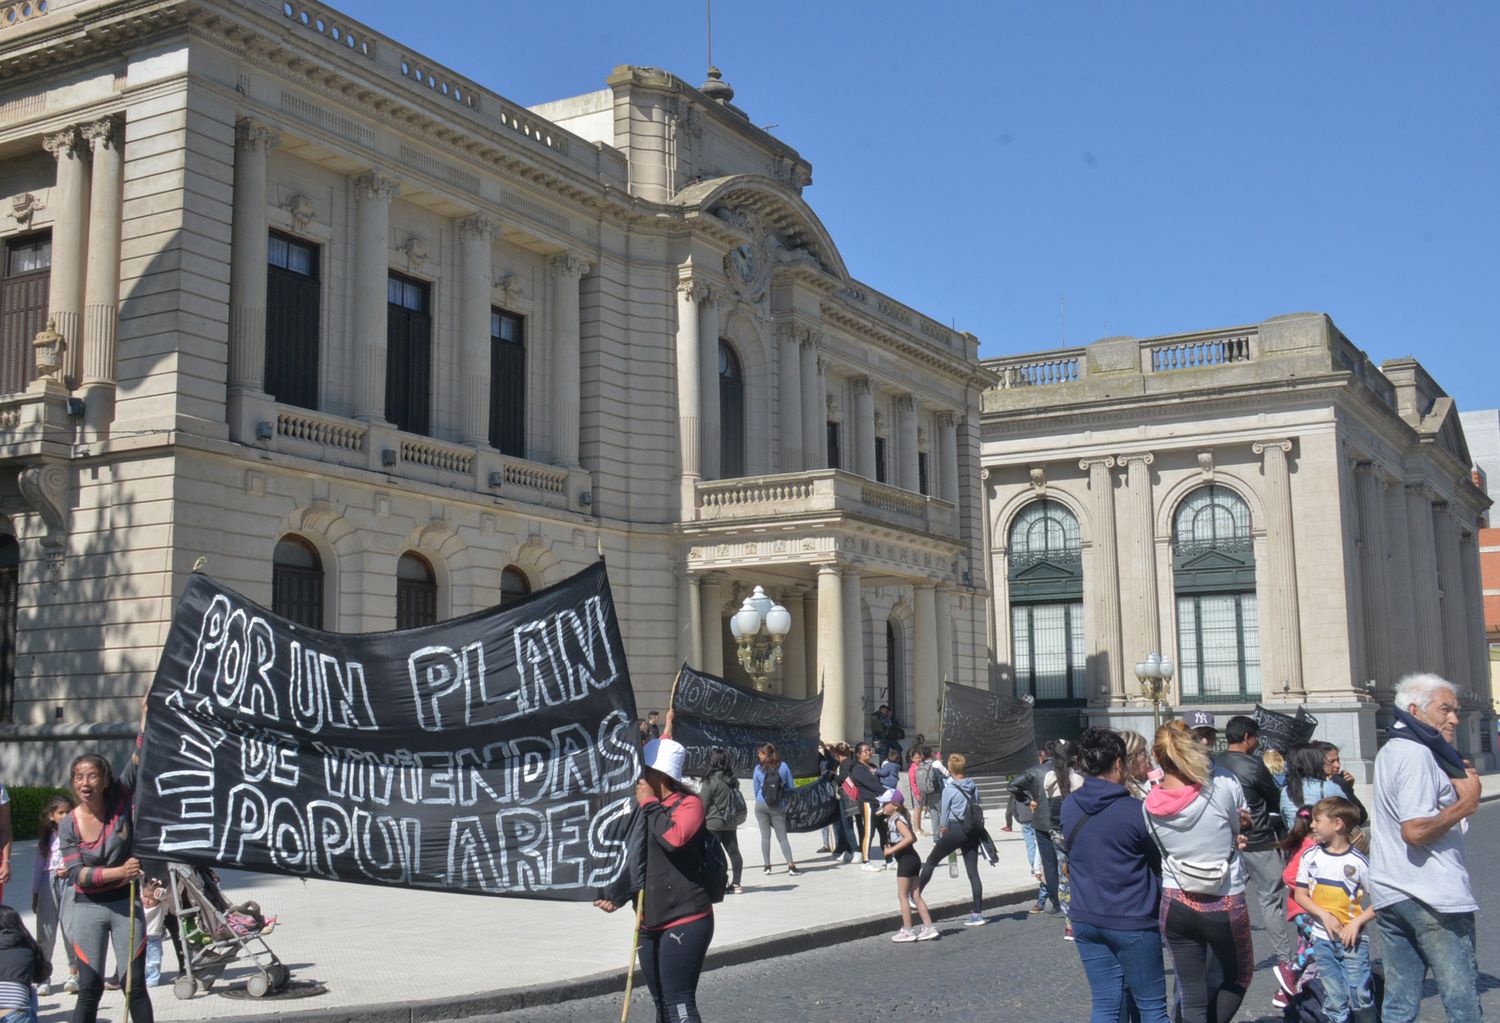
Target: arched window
(513,585)
(297,582)
(1213,564)
(416,592)
(10,577)
(731,414)
(1046,604)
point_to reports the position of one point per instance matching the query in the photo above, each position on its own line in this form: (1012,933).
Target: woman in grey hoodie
(1194,818)
(955,835)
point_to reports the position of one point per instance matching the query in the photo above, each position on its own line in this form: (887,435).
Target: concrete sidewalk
(395,955)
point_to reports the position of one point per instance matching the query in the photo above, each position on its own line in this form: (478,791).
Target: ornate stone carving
(23,207)
(922,438)
(372,186)
(45,488)
(415,250)
(860,385)
(1206,464)
(48,348)
(879,424)
(478,227)
(906,403)
(104,133)
(1260,446)
(947,420)
(302,209)
(251,134)
(1038,476)
(1144,457)
(509,286)
(67,142)
(566,264)
(694,289)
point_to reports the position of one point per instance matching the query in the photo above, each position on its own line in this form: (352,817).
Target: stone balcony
(1299,345)
(323,437)
(762,500)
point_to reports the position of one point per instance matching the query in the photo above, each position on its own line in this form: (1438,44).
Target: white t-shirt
(1409,785)
(1337,882)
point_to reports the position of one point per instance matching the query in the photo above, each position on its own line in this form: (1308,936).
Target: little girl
(902,849)
(49,890)
(22,966)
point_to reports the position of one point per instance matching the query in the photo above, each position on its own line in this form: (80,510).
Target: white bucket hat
(666,756)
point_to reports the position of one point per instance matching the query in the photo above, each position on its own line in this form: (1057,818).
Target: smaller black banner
(1280,731)
(812,807)
(712,712)
(994,732)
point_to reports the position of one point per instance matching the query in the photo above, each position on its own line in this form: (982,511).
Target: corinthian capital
(373,186)
(861,385)
(692,288)
(252,134)
(906,403)
(566,264)
(947,420)
(478,228)
(65,143)
(104,133)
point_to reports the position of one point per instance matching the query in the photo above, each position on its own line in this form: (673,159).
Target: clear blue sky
(1043,172)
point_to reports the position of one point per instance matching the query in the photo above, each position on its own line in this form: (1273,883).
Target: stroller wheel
(279,976)
(258,985)
(184,988)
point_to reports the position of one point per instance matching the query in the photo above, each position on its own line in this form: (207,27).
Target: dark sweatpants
(955,839)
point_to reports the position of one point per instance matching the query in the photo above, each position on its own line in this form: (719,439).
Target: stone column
(1424,580)
(1108,683)
(947,430)
(943,605)
(70,206)
(925,670)
(476,236)
(789,351)
(855,715)
(814,413)
(864,428)
(689,620)
(372,224)
(1472,599)
(708,375)
(906,441)
(689,392)
(1373,549)
(567,388)
(1402,643)
(1451,582)
(101,302)
(711,591)
(794,648)
(1142,532)
(806,631)
(832,669)
(1283,624)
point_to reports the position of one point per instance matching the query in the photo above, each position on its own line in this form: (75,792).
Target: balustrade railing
(434,454)
(1043,370)
(546,478)
(300,424)
(819,492)
(1168,356)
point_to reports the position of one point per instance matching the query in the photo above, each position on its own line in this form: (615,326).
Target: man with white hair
(1424,794)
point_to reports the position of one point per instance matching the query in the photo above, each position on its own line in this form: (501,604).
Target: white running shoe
(873,867)
(928,934)
(43,990)
(975,920)
(904,935)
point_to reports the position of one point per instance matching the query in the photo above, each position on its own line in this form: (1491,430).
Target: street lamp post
(1155,675)
(759,627)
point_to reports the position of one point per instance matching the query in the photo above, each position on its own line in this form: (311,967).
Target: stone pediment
(1045,571)
(1210,561)
(754,204)
(1443,426)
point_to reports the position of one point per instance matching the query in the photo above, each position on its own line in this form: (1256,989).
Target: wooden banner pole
(635,944)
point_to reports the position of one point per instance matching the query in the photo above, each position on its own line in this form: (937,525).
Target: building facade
(386,348)
(1288,522)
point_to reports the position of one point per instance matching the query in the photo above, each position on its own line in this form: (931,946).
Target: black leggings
(1210,952)
(730,840)
(671,961)
(956,839)
(1047,851)
(95,923)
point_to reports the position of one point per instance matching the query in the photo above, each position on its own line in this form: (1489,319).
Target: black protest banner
(712,712)
(1280,731)
(995,733)
(494,754)
(810,807)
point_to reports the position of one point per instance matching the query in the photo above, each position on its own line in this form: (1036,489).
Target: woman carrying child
(903,849)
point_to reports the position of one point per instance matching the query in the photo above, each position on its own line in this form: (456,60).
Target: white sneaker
(927,934)
(873,867)
(975,920)
(904,935)
(43,990)
(71,984)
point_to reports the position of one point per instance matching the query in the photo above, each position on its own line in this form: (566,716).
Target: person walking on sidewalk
(1262,854)
(677,924)
(903,849)
(847,833)
(960,828)
(869,788)
(725,809)
(772,782)
(1424,904)
(1116,892)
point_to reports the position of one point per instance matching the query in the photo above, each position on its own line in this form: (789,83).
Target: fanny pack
(1194,876)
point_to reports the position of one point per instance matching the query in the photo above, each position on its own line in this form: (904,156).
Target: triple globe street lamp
(1155,676)
(759,627)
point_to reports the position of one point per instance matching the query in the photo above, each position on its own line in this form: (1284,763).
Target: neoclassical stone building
(1289,522)
(385,348)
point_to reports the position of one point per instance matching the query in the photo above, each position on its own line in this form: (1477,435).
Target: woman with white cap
(678,921)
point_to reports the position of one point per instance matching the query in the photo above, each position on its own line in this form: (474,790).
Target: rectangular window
(923,487)
(833,444)
(1218,644)
(880,460)
(25,279)
(292,317)
(408,360)
(1047,651)
(508,383)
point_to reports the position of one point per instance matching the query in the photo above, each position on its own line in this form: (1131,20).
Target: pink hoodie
(1164,802)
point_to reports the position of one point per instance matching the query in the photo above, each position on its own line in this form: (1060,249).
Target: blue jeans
(1345,973)
(1029,833)
(1418,938)
(1120,961)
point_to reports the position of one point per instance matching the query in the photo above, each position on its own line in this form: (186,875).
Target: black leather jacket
(1261,796)
(1031,787)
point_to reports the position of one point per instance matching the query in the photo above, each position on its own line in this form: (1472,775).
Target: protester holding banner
(868,786)
(98,852)
(772,783)
(677,920)
(726,810)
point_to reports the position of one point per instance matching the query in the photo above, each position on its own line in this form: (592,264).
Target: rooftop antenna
(715,88)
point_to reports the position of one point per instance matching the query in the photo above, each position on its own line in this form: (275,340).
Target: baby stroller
(215,934)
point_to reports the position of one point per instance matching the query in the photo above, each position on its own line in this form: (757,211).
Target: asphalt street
(1017,967)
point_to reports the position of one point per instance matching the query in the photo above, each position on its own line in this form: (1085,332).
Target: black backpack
(713,864)
(738,811)
(771,789)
